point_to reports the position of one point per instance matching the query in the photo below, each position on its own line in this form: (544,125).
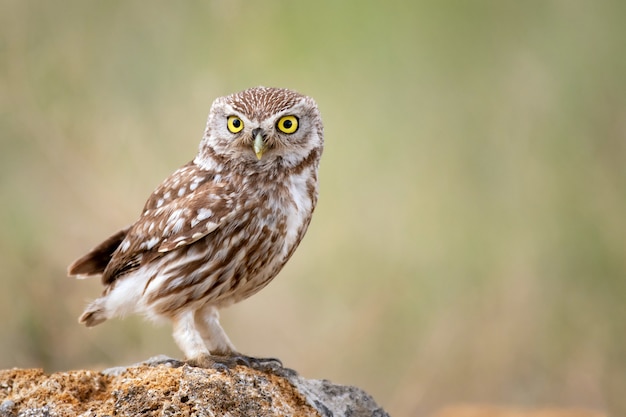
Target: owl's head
(261,127)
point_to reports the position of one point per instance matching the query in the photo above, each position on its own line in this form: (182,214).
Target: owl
(220,228)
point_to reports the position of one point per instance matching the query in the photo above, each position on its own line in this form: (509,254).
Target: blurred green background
(469,245)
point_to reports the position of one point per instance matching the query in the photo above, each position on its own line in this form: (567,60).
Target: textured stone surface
(166,387)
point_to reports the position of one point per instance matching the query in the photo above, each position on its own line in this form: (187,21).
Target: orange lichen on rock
(181,390)
(151,390)
(71,392)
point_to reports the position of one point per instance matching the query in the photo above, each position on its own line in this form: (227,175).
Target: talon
(227,362)
(264,364)
(221,367)
(242,360)
(275,360)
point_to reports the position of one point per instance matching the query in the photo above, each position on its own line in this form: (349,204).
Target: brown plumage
(219,228)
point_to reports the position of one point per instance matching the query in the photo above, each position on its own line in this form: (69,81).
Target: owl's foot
(207,362)
(226,362)
(261,364)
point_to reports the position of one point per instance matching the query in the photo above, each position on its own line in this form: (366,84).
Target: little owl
(220,227)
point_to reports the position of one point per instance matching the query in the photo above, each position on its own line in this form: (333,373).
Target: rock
(166,387)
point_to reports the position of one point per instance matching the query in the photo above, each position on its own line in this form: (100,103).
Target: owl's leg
(190,341)
(222,349)
(207,321)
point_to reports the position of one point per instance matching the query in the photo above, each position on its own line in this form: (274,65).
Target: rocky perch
(167,387)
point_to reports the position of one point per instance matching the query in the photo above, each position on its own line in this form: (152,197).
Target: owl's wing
(97,259)
(189,205)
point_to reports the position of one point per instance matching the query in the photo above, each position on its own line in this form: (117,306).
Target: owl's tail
(94,314)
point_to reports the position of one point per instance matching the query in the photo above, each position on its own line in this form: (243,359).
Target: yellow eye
(287,124)
(235,124)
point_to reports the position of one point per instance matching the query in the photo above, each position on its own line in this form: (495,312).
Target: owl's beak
(259,143)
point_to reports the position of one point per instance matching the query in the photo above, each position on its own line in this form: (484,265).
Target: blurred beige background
(470,241)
